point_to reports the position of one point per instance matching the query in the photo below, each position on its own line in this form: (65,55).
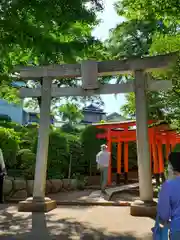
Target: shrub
(91,146)
(57,165)
(57,155)
(25,134)
(4,117)
(78,165)
(28,138)
(26,160)
(9,124)
(19,157)
(9,143)
(68,128)
(132,149)
(32,125)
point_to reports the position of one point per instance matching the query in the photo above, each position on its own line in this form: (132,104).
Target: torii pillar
(146,206)
(40,203)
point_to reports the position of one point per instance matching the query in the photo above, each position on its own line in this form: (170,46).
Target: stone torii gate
(89,71)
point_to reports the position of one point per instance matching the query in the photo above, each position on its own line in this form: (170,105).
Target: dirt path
(71,223)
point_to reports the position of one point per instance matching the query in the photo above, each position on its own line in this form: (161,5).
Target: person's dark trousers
(1,188)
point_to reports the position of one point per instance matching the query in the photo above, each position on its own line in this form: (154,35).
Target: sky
(109,20)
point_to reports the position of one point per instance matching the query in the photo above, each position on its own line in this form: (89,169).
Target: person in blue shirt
(168,208)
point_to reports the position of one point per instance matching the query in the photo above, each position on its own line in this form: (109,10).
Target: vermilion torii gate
(124,132)
(89,71)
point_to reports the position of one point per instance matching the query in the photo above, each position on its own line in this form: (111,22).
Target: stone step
(111,190)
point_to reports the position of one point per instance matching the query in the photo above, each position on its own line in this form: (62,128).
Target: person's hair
(103,147)
(174,159)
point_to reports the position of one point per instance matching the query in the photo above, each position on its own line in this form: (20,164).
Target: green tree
(60,33)
(142,9)
(148,31)
(70,113)
(131,38)
(161,105)
(9,93)
(165,44)
(65,27)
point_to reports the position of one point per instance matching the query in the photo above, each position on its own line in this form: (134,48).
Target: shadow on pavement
(40,226)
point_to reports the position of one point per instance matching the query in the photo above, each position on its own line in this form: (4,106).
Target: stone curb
(83,203)
(91,203)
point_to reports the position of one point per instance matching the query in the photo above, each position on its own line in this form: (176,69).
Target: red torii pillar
(109,149)
(119,156)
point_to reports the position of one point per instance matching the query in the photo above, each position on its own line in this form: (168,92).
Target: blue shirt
(169,203)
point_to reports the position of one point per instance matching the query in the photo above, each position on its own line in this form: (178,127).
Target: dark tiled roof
(92,108)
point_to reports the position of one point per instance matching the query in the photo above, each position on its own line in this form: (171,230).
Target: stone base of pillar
(143,209)
(32,205)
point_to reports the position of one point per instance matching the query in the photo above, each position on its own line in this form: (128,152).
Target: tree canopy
(142,9)
(70,112)
(64,26)
(150,28)
(41,32)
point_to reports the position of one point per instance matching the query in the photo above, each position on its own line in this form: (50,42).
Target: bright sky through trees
(109,20)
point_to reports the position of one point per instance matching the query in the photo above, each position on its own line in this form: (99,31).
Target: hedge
(19,148)
(26,134)
(75,157)
(9,143)
(91,146)
(57,165)
(25,161)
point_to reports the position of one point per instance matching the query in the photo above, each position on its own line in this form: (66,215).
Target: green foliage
(58,153)
(29,136)
(132,155)
(155,105)
(64,27)
(78,164)
(32,125)
(9,143)
(5,118)
(102,121)
(26,134)
(9,124)
(68,128)
(8,92)
(26,31)
(131,38)
(25,161)
(19,156)
(128,109)
(150,28)
(70,112)
(161,105)
(176,148)
(67,152)
(143,9)
(91,144)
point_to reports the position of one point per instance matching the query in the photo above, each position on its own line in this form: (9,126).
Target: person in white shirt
(102,159)
(2,174)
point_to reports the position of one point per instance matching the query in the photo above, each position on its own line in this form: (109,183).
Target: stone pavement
(73,223)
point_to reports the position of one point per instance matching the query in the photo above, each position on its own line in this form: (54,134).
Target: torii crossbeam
(89,71)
